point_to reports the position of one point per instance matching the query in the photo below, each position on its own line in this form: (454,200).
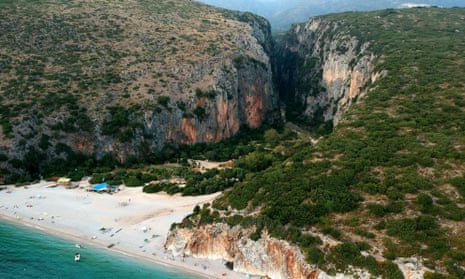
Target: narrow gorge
(322,70)
(320,73)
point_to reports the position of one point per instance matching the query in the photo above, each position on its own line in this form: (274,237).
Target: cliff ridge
(126,80)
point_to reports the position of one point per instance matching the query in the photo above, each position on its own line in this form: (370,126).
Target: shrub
(132,181)
(234,220)
(434,275)
(209,94)
(376,209)
(152,188)
(459,183)
(181,105)
(255,161)
(391,271)
(44,142)
(200,113)
(315,256)
(163,101)
(424,201)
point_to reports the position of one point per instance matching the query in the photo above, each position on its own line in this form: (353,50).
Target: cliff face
(238,95)
(327,70)
(266,256)
(128,79)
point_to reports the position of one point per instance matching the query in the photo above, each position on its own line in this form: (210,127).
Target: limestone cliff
(328,69)
(127,79)
(266,256)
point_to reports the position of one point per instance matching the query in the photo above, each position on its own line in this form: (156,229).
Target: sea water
(28,253)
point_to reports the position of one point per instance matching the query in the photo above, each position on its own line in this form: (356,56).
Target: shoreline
(85,243)
(129,222)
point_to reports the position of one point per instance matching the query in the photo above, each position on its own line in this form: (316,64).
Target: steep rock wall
(243,96)
(266,256)
(327,72)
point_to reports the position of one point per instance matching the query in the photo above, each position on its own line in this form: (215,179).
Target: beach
(128,221)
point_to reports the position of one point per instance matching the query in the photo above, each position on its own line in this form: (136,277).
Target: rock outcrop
(327,70)
(266,256)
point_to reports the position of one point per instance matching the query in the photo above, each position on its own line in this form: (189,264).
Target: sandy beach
(128,221)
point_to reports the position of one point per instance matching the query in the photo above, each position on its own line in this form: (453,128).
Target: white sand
(136,223)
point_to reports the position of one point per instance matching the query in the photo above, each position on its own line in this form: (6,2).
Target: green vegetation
(163,101)
(399,152)
(119,123)
(209,94)
(76,165)
(241,62)
(200,113)
(195,182)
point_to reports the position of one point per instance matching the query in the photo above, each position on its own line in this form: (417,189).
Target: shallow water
(28,253)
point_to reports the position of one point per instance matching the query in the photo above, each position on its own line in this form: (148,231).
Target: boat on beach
(77,257)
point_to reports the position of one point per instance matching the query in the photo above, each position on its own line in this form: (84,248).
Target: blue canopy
(100,187)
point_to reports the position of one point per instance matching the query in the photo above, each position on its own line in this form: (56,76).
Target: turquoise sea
(28,253)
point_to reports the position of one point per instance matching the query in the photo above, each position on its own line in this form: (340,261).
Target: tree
(272,137)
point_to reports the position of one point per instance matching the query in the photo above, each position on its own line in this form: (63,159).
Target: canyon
(125,82)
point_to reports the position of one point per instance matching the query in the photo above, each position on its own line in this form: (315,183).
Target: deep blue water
(28,253)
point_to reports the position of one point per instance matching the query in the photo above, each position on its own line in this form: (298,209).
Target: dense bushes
(348,253)
(169,188)
(255,161)
(299,199)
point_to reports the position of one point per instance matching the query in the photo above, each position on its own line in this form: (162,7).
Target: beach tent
(100,187)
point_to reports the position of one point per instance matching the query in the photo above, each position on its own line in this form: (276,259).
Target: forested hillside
(388,183)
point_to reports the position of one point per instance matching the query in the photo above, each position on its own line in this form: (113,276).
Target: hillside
(366,178)
(282,14)
(385,191)
(86,80)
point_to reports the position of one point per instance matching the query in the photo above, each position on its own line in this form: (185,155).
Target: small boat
(77,257)
(77,245)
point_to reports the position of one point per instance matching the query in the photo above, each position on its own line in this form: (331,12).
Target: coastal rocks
(266,256)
